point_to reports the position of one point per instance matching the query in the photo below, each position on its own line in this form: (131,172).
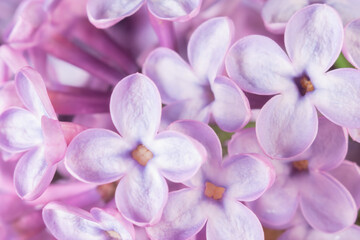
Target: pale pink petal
(348,174)
(135,107)
(32,91)
(298,232)
(163,67)
(314,37)
(348,10)
(176,156)
(244,141)
(234,221)
(354,134)
(13,59)
(106,13)
(174,10)
(351,233)
(33,174)
(276,13)
(182,217)
(65,222)
(230,109)
(338,97)
(326,204)
(141,195)
(19,130)
(351,42)
(278,205)
(98,156)
(248,176)
(286,126)
(258,65)
(329,148)
(208,45)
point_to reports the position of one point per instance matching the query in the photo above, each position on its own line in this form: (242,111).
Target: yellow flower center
(213,191)
(142,155)
(306,85)
(114,235)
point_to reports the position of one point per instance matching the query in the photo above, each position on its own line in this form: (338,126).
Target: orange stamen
(142,155)
(213,191)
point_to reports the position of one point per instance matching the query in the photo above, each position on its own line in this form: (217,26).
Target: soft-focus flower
(214,193)
(304,182)
(140,156)
(276,13)
(197,92)
(66,222)
(287,123)
(351,42)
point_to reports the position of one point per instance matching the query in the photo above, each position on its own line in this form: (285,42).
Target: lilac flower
(304,182)
(276,13)
(140,156)
(36,132)
(197,92)
(66,222)
(214,193)
(104,14)
(287,123)
(351,42)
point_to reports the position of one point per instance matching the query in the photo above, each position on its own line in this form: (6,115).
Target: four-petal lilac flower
(214,193)
(197,92)
(140,156)
(288,122)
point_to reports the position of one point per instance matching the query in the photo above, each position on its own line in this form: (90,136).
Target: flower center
(142,155)
(114,235)
(301,165)
(213,191)
(306,85)
(107,191)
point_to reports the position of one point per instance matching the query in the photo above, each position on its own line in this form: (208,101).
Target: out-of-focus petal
(286,126)
(141,195)
(278,205)
(258,65)
(173,9)
(314,37)
(208,45)
(354,134)
(298,232)
(176,156)
(33,174)
(244,141)
(351,42)
(13,59)
(163,67)
(326,204)
(329,147)
(276,13)
(231,109)
(348,173)
(19,130)
(135,107)
(348,10)
(66,222)
(105,13)
(234,221)
(247,176)
(337,97)
(182,217)
(98,156)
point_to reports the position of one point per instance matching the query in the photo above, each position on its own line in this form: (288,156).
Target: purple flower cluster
(179,119)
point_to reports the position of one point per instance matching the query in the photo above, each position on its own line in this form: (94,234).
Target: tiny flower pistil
(301,165)
(114,235)
(306,85)
(142,155)
(213,191)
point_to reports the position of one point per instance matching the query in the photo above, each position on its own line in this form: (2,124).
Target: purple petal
(259,66)
(351,42)
(354,134)
(278,205)
(348,173)
(227,95)
(141,195)
(326,204)
(176,156)
(299,232)
(98,156)
(66,222)
(13,59)
(235,221)
(276,13)
(174,10)
(348,10)
(33,174)
(329,148)
(19,130)
(338,97)
(104,14)
(314,37)
(286,126)
(247,176)
(208,45)
(244,141)
(163,67)
(182,218)
(32,91)
(135,107)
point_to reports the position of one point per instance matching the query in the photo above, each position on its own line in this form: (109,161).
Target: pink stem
(165,32)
